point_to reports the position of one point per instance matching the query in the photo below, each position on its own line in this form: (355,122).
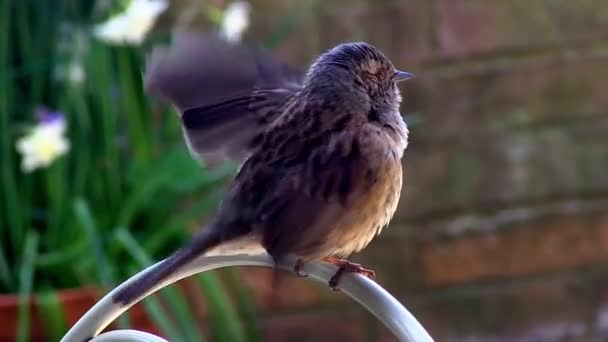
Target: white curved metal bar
(362,289)
(128,335)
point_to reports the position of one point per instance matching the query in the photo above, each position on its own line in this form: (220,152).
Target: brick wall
(502,233)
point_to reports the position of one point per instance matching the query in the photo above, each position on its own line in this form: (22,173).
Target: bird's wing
(226,94)
(231,128)
(299,181)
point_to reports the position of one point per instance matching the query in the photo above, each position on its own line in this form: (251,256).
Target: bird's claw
(297,268)
(344,266)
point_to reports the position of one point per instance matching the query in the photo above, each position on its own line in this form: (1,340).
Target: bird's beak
(402,76)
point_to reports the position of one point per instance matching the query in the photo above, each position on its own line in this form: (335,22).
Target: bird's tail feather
(204,241)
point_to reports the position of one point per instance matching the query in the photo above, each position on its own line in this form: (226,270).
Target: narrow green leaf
(227,325)
(182,313)
(105,269)
(245,305)
(12,225)
(81,133)
(29,49)
(56,192)
(52,316)
(156,312)
(133,104)
(175,226)
(85,218)
(137,197)
(67,254)
(26,278)
(174,299)
(5,271)
(103,87)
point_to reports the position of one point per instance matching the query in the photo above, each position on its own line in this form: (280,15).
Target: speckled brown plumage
(322,161)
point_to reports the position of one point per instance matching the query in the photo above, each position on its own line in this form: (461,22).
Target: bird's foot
(297,268)
(345,266)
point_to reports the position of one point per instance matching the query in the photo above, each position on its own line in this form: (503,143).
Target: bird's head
(363,68)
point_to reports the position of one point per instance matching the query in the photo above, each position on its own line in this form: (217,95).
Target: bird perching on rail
(322,151)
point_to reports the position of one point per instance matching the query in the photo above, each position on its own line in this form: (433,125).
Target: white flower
(45,143)
(132,25)
(235,21)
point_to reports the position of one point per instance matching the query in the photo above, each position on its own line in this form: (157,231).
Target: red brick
(316,326)
(549,89)
(552,308)
(294,292)
(600,311)
(475,27)
(556,244)
(492,137)
(469,27)
(74,304)
(401,29)
(439,180)
(462,103)
(297,43)
(383,334)
(533,165)
(394,258)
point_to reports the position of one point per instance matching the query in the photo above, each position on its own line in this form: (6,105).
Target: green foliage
(127,166)
(123,195)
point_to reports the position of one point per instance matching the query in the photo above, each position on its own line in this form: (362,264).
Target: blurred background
(502,232)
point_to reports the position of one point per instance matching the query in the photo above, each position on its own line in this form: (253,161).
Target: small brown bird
(322,151)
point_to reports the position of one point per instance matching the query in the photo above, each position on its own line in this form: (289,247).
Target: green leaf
(12,224)
(57,190)
(136,199)
(245,305)
(52,316)
(172,174)
(175,226)
(156,312)
(174,299)
(105,269)
(66,254)
(227,325)
(26,278)
(5,272)
(85,218)
(101,84)
(133,104)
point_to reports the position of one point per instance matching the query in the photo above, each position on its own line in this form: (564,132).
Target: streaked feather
(226,94)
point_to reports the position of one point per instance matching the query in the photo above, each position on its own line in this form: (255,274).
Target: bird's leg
(345,266)
(297,268)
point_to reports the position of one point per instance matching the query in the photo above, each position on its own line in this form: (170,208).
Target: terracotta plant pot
(75,303)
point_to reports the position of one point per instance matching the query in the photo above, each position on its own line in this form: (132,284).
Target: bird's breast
(371,205)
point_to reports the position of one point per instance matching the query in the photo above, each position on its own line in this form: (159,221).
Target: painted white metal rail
(363,290)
